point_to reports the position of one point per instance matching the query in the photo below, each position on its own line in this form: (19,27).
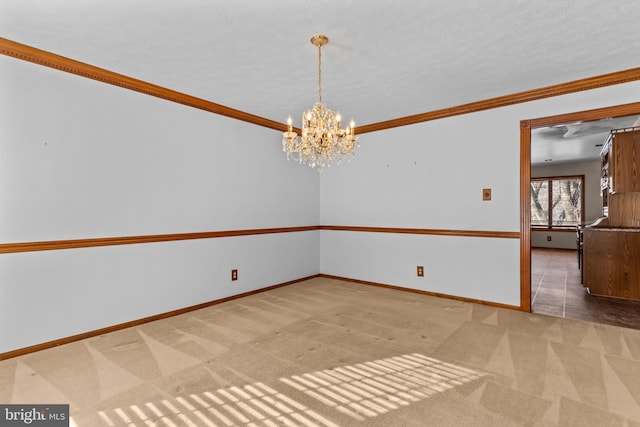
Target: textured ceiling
(574,142)
(385,59)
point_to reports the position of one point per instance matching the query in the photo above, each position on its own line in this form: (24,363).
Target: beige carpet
(331,353)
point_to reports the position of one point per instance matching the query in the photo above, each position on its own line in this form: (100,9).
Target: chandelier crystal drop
(323,142)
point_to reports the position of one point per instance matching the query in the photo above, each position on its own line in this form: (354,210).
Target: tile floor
(556,291)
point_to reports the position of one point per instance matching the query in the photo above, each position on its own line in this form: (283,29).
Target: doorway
(527,287)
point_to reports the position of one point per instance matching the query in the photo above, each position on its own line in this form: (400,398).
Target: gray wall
(81,159)
(431,175)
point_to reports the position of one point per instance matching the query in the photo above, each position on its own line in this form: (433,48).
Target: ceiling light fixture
(322,142)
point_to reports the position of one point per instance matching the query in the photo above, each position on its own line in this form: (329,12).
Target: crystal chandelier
(323,142)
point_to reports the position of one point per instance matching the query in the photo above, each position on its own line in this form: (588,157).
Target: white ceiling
(385,59)
(574,142)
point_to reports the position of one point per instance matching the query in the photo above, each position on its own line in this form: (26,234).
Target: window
(556,202)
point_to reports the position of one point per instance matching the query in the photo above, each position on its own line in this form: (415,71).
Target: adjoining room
(567,180)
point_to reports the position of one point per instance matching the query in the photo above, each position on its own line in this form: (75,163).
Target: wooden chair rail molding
(130,240)
(430,231)
(6,248)
(58,62)
(552,230)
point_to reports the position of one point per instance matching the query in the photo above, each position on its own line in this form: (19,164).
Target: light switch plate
(486,194)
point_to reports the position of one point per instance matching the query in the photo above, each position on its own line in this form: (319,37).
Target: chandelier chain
(320,74)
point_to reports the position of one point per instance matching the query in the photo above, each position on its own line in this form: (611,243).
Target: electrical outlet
(234,274)
(420,271)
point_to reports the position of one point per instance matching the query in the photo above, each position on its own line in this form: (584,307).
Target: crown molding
(68,65)
(589,83)
(58,62)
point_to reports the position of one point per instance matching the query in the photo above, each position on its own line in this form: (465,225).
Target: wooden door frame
(525,178)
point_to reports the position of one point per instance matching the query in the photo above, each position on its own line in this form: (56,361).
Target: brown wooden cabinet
(611,247)
(620,158)
(611,265)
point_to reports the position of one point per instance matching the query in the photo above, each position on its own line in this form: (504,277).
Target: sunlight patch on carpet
(374,388)
(246,405)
